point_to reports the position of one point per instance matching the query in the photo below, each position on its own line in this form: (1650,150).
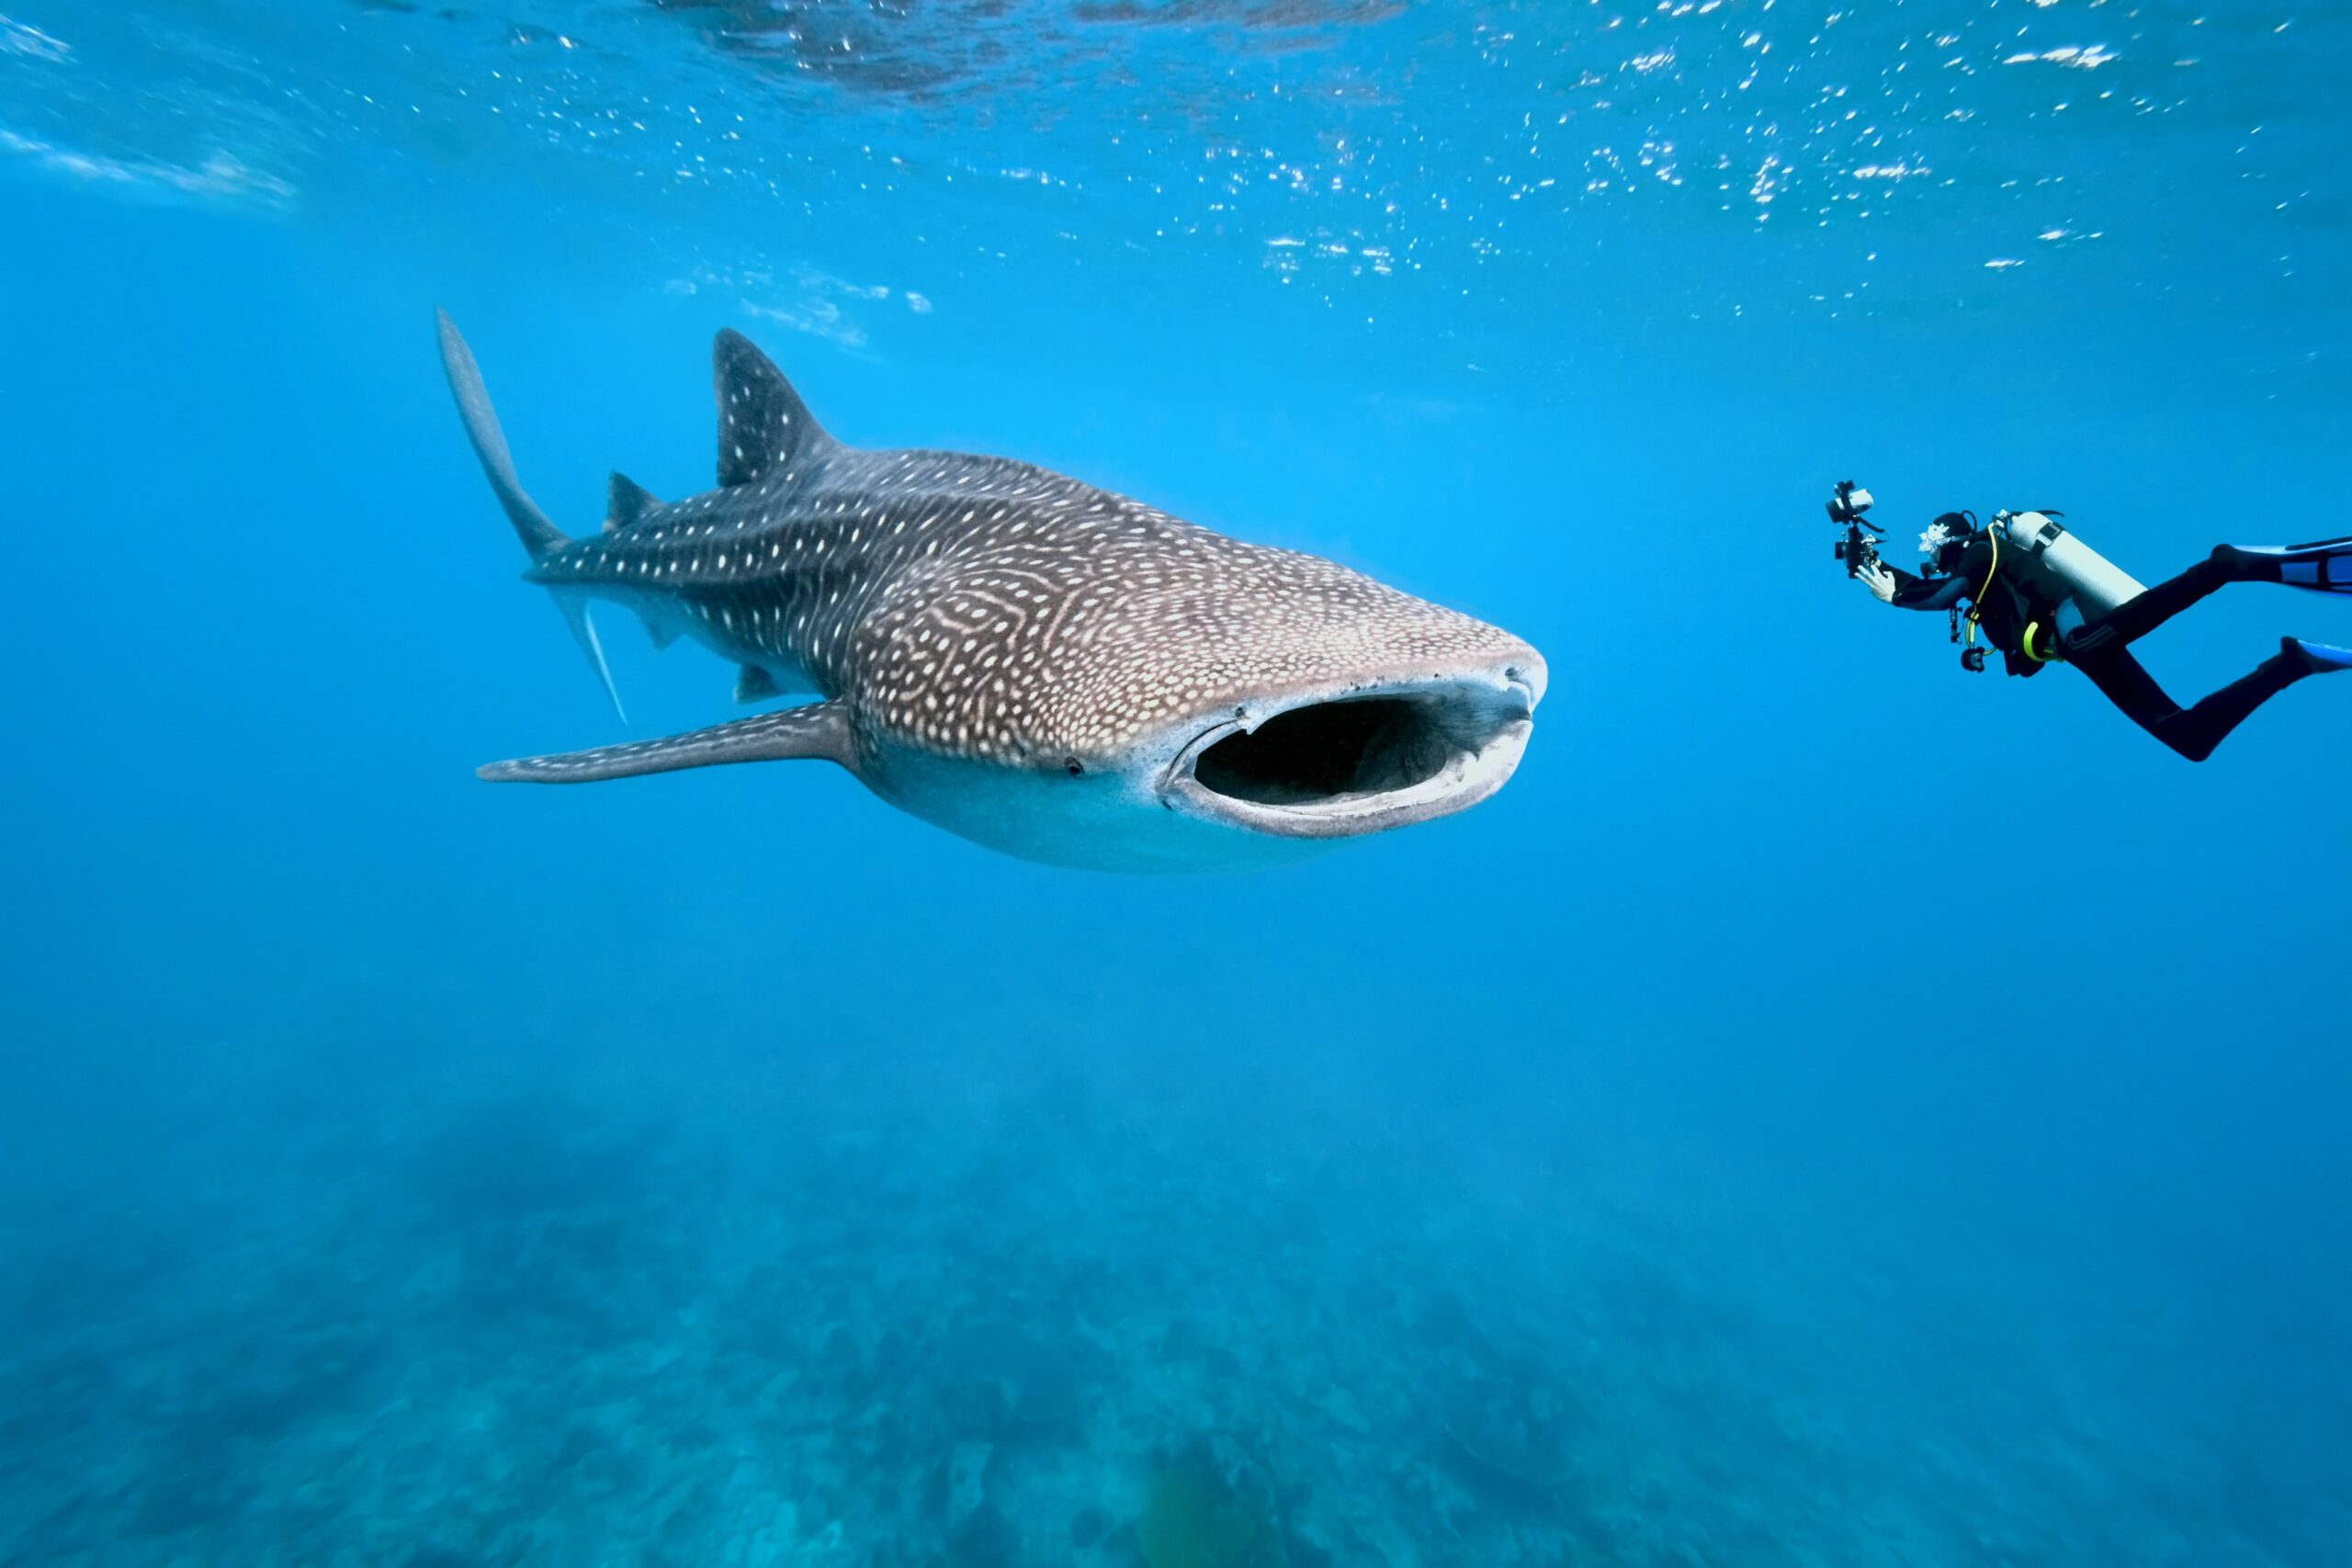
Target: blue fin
(2323,565)
(2321,658)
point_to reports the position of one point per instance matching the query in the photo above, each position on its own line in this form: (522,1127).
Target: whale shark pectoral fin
(816,730)
(762,424)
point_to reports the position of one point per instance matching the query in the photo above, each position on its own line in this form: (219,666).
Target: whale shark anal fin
(816,730)
(753,684)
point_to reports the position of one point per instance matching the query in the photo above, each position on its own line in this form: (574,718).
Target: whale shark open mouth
(1360,761)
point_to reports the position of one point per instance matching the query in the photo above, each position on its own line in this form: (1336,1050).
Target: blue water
(1828,1109)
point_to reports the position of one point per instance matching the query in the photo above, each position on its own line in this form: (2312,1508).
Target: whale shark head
(1258,706)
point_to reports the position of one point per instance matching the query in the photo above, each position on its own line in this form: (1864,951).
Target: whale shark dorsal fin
(762,424)
(817,730)
(626,501)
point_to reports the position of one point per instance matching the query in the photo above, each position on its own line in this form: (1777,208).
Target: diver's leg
(2126,683)
(2325,565)
(2136,618)
(2195,731)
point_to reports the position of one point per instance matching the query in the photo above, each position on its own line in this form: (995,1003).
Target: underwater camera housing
(1858,549)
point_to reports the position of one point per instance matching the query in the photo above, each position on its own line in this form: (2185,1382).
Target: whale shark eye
(1074,766)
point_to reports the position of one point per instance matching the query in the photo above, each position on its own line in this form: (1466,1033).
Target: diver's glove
(1879,581)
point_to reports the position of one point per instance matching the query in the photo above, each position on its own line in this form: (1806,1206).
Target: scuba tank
(2053,566)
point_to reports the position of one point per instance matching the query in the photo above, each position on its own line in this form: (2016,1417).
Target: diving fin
(2318,658)
(2323,565)
(816,730)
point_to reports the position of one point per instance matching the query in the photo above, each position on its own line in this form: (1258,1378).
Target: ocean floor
(1199,1321)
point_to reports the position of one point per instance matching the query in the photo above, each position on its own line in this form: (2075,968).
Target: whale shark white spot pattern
(960,610)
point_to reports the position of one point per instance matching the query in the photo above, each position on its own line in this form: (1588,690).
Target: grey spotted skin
(1044,666)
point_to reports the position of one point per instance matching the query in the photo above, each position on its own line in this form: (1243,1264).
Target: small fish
(1045,668)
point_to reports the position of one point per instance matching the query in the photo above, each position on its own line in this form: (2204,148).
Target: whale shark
(1043,667)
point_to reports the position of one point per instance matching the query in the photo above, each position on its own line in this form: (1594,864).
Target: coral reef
(1192,1517)
(1087,1330)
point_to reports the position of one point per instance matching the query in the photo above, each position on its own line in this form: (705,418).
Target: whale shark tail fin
(540,537)
(583,632)
(531,525)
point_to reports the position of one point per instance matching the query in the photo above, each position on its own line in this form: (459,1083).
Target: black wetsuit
(2101,648)
(2001,612)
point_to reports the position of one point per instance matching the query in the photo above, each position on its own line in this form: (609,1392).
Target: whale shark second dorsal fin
(762,424)
(626,502)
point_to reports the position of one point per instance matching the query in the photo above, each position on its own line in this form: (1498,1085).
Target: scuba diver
(2041,597)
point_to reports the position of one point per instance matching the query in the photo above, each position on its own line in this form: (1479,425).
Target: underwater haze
(1829,1108)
